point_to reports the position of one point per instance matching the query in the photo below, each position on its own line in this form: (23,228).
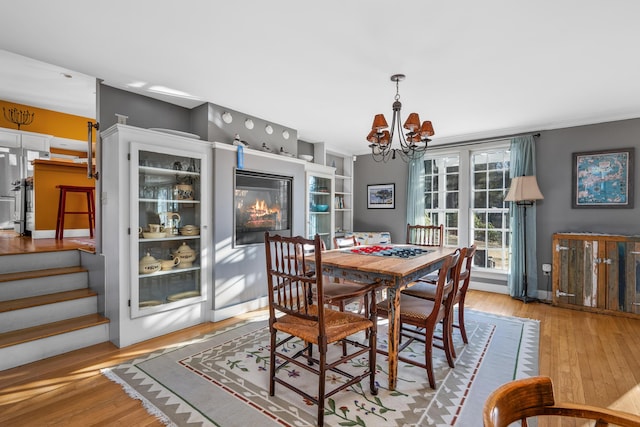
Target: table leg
(393,296)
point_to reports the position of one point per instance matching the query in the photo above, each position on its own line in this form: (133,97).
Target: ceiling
(475,69)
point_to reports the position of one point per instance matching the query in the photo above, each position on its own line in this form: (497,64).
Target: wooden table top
(387,265)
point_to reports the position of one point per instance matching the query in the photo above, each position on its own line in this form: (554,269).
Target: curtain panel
(522,160)
(415,192)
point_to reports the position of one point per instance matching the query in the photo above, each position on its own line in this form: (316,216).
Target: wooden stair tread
(34,274)
(35,301)
(21,336)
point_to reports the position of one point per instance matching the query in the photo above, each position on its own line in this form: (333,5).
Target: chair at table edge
(339,292)
(300,319)
(425,235)
(424,288)
(435,312)
(530,397)
(345,242)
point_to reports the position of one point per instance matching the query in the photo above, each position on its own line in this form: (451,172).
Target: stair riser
(21,354)
(16,289)
(38,261)
(35,316)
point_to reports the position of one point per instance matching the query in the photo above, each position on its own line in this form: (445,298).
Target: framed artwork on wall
(603,179)
(381,196)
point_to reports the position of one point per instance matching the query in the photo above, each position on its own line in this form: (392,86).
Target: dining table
(366,264)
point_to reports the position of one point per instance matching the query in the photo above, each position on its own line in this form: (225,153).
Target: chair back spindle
(425,235)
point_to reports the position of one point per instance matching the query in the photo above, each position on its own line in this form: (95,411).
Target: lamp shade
(385,138)
(426,129)
(379,122)
(413,122)
(524,188)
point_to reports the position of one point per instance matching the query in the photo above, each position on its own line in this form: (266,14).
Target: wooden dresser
(597,272)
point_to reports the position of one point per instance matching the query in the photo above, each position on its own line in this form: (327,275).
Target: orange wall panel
(47,175)
(49,122)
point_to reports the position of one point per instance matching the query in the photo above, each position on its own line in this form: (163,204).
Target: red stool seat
(90,212)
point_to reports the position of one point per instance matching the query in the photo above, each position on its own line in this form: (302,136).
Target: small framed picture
(603,179)
(381,196)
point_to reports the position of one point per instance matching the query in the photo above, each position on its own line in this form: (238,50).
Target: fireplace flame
(261,209)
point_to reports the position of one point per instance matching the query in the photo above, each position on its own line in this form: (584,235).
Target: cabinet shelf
(164,239)
(167,201)
(175,270)
(152,170)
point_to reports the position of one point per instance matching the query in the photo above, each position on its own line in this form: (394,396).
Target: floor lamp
(524,191)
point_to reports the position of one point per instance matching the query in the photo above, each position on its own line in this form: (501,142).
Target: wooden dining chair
(425,235)
(295,314)
(533,397)
(424,315)
(426,288)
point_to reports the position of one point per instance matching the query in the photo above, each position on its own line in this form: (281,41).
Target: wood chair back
(531,397)
(292,286)
(298,317)
(425,235)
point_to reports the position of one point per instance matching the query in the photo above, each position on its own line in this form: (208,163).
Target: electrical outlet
(546,269)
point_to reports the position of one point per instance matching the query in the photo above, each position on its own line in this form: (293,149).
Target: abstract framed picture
(381,196)
(603,179)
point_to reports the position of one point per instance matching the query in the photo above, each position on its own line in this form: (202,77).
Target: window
(489,212)
(442,195)
(465,191)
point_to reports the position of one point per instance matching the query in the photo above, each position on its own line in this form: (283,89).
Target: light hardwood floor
(592,358)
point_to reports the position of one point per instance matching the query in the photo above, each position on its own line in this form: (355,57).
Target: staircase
(46,307)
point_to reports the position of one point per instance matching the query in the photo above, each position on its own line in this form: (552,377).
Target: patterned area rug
(222,380)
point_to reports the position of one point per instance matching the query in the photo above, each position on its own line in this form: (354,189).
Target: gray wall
(220,131)
(239,272)
(143,112)
(554,214)
(554,163)
(368,172)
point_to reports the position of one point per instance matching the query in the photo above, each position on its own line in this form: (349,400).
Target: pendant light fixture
(413,144)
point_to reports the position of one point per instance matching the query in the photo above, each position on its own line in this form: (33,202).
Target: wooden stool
(64,189)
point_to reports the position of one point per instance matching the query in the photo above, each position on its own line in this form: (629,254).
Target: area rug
(222,380)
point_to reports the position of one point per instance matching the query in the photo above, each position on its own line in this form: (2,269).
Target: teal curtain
(522,159)
(415,192)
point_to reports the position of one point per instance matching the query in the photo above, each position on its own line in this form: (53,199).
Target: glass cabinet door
(319,195)
(165,222)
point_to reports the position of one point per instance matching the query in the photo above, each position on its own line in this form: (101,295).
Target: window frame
(465,186)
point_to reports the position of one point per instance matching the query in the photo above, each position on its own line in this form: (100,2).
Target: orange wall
(47,174)
(49,122)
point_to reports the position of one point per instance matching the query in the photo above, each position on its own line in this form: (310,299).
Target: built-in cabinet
(342,203)
(320,203)
(155,212)
(343,190)
(597,272)
(166,246)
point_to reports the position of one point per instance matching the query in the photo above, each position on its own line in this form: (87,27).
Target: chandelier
(413,144)
(18,117)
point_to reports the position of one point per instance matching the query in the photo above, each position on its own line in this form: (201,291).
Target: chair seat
(343,290)
(338,324)
(414,311)
(421,289)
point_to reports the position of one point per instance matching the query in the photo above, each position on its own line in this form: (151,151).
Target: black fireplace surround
(262,202)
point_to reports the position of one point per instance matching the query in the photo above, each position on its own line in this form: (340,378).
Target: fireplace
(262,203)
